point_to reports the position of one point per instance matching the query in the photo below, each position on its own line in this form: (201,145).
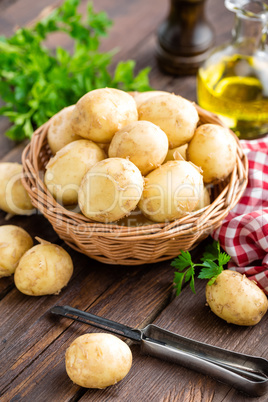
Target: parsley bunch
(213,261)
(35,82)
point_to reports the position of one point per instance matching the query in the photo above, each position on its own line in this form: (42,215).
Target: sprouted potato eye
(14,199)
(60,132)
(213,148)
(110,190)
(14,242)
(64,172)
(143,143)
(97,360)
(101,112)
(171,191)
(43,270)
(176,116)
(236,299)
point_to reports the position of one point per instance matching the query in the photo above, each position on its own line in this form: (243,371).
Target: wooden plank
(189,316)
(32,357)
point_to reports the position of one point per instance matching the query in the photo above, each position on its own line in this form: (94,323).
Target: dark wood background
(33,343)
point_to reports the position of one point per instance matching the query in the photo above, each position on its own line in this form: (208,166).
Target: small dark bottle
(184,38)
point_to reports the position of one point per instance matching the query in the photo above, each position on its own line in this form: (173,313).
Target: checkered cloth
(244,232)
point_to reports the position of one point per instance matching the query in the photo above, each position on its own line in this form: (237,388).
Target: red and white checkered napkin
(244,232)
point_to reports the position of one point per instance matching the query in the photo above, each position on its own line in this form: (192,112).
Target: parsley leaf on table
(37,82)
(213,261)
(183,261)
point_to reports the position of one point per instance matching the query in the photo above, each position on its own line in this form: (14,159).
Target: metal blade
(96,321)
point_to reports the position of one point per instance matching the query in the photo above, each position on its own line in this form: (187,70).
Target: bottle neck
(250,33)
(187,10)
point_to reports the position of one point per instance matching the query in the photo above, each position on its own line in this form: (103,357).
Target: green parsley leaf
(213,261)
(183,261)
(211,252)
(36,82)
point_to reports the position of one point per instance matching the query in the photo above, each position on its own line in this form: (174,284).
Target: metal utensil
(246,373)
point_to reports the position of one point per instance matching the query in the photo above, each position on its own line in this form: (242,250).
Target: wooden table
(33,342)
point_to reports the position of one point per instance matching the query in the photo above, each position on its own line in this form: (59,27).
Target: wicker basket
(130,245)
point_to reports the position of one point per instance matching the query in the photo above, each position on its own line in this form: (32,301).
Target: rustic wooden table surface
(33,343)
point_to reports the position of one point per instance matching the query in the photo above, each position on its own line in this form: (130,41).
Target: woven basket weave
(130,245)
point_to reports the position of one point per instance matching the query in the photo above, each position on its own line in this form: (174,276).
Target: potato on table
(171,191)
(101,112)
(97,360)
(64,172)
(43,270)
(176,116)
(236,299)
(14,242)
(14,199)
(60,132)
(110,190)
(143,143)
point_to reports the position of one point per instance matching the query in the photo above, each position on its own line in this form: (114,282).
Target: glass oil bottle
(233,82)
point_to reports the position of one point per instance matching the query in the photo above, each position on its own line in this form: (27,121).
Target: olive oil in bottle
(233,81)
(237,91)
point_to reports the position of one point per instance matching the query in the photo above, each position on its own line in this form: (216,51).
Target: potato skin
(177,153)
(204,200)
(43,270)
(101,112)
(14,199)
(110,190)
(213,148)
(176,116)
(171,191)
(60,132)
(141,97)
(64,172)
(97,360)
(143,143)
(236,299)
(14,242)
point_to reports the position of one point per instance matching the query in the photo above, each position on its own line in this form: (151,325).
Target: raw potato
(143,143)
(97,360)
(14,199)
(176,116)
(100,113)
(141,97)
(213,148)
(14,242)
(177,153)
(204,200)
(171,191)
(134,219)
(110,190)
(236,299)
(60,132)
(43,270)
(64,172)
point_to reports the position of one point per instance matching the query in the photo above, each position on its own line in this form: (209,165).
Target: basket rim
(203,219)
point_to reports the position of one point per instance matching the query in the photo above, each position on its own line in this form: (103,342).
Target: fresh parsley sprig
(37,82)
(213,261)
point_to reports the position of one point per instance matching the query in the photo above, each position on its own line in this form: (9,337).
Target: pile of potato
(116,152)
(41,269)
